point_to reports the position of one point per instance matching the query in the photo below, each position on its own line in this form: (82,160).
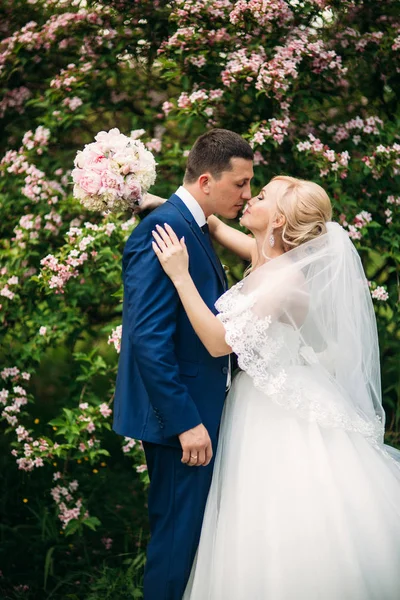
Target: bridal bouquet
(113,172)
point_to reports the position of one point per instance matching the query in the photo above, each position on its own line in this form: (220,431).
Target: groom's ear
(204,183)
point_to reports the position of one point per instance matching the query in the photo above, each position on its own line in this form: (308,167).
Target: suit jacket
(167,381)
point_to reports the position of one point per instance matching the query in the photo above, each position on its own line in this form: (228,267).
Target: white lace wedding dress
(305,498)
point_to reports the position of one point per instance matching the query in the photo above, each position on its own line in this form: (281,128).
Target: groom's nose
(246,193)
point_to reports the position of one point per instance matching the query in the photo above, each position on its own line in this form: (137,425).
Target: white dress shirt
(194,207)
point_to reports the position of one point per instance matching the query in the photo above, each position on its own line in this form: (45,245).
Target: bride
(305,498)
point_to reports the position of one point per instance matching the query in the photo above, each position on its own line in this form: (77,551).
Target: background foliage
(313,85)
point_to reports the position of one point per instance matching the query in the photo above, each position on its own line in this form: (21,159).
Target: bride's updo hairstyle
(306,208)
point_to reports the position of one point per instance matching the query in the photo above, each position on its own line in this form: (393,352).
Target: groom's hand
(196,446)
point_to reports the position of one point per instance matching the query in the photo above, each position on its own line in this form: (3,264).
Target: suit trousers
(176,504)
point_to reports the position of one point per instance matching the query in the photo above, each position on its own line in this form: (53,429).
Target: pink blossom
(7,293)
(167,107)
(354,233)
(3,396)
(107,541)
(10,372)
(19,390)
(115,338)
(72,103)
(362,219)
(379,293)
(110,227)
(14,99)
(141,468)
(43,330)
(154,145)
(183,100)
(130,443)
(105,410)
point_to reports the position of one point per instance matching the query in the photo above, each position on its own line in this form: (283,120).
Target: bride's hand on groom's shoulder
(171,252)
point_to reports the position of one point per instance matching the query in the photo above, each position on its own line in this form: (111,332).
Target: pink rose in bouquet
(88,180)
(113,173)
(132,188)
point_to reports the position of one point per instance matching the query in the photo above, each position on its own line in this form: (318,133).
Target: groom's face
(232,190)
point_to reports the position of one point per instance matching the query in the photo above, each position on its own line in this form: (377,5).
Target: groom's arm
(152,303)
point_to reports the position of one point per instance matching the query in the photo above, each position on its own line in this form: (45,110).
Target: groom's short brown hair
(212,153)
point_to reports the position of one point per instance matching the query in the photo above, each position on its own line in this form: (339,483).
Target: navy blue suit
(168,383)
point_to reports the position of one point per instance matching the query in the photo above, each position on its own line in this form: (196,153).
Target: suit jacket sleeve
(152,304)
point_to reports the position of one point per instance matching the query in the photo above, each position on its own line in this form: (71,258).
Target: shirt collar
(192,205)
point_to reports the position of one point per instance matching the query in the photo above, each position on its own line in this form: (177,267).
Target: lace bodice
(288,371)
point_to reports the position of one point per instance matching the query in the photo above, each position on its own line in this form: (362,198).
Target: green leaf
(92,523)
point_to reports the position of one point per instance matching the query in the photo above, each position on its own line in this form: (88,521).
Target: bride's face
(259,212)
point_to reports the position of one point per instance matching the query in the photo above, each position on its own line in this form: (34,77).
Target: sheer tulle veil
(319,291)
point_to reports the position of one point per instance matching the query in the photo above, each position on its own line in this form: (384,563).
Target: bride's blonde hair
(306,207)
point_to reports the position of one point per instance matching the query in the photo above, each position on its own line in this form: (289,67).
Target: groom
(170,392)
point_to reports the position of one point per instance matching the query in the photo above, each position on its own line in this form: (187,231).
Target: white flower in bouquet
(113,172)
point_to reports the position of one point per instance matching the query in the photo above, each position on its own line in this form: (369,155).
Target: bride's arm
(238,242)
(174,259)
(232,239)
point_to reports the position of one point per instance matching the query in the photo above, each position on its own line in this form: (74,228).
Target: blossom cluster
(113,172)
(35,37)
(115,338)
(276,75)
(13,399)
(200,100)
(15,99)
(69,508)
(83,243)
(329,160)
(7,289)
(384,158)
(72,103)
(380,293)
(37,187)
(65,79)
(264,12)
(394,203)
(30,226)
(245,63)
(135,449)
(360,221)
(359,41)
(276,129)
(371,125)
(38,139)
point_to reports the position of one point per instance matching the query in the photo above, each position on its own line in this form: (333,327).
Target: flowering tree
(313,86)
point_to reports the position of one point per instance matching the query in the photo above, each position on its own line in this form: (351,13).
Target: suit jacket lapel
(210,251)
(181,206)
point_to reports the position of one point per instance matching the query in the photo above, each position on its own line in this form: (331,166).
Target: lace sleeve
(253,339)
